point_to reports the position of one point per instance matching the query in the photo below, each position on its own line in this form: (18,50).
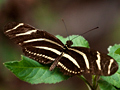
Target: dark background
(79,16)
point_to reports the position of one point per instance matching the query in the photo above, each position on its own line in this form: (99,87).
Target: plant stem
(94,81)
(86,82)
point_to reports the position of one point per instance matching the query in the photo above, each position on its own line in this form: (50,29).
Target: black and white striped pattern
(46,48)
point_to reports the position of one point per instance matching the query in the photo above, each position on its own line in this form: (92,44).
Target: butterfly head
(69,43)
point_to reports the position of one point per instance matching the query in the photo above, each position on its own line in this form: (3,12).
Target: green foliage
(105,85)
(114,79)
(33,72)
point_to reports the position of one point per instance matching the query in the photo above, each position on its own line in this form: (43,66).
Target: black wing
(36,44)
(84,60)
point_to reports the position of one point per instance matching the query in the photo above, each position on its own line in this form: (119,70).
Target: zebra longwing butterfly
(46,48)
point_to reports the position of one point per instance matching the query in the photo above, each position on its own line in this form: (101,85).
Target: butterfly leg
(54,64)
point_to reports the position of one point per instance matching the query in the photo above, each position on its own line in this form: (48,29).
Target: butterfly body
(46,48)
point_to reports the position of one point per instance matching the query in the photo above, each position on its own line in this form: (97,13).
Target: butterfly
(45,48)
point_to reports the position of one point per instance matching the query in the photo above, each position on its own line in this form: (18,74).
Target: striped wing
(38,45)
(85,60)
(46,48)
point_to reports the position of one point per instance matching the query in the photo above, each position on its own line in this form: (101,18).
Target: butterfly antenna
(87,32)
(66,29)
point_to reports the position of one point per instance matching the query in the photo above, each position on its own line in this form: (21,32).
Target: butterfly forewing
(36,44)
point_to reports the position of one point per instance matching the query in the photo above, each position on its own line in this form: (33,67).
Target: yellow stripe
(26,33)
(65,68)
(84,56)
(58,53)
(98,60)
(42,39)
(110,64)
(20,24)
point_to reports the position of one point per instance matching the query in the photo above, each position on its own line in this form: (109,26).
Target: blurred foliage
(116,32)
(45,16)
(2,2)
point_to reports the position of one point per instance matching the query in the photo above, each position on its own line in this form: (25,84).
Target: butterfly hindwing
(85,60)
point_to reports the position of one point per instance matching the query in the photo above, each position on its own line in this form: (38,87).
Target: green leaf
(79,41)
(117,51)
(33,72)
(105,85)
(114,79)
